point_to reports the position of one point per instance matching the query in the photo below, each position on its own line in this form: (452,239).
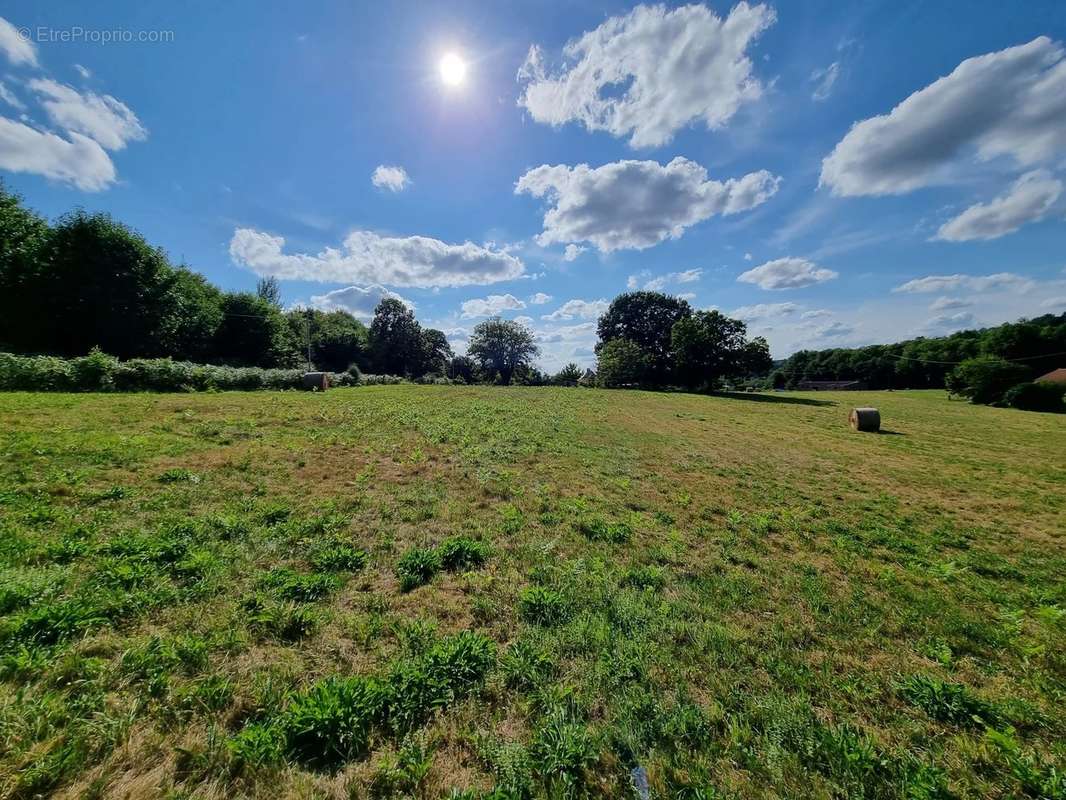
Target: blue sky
(835,174)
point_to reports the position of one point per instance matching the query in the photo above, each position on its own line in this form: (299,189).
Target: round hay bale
(865,419)
(316,381)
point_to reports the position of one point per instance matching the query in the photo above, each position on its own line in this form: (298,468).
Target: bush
(1043,396)
(99,372)
(984,380)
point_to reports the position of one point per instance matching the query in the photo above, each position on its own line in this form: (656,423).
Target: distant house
(1055,376)
(833,386)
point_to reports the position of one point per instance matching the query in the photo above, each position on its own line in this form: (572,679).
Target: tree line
(1035,346)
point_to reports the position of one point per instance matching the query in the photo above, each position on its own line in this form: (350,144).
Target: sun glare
(452,69)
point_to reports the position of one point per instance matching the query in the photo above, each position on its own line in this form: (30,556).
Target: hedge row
(99,372)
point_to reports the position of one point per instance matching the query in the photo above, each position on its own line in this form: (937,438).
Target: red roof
(1055,376)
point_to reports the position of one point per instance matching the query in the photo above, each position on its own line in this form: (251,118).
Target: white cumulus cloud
(100,117)
(394,179)
(491,306)
(975,283)
(578,309)
(540,298)
(19,49)
(572,251)
(651,72)
(358,301)
(636,204)
(787,273)
(1010,103)
(660,282)
(367,257)
(1028,200)
(77,160)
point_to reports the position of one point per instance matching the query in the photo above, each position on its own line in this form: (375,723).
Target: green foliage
(924,363)
(567,376)
(459,552)
(502,347)
(417,567)
(948,702)
(286,621)
(334,720)
(542,606)
(1040,396)
(596,529)
(708,346)
(287,584)
(645,319)
(338,557)
(525,665)
(396,344)
(562,751)
(984,380)
(622,363)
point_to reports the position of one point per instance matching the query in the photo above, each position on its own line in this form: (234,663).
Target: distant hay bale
(316,381)
(865,419)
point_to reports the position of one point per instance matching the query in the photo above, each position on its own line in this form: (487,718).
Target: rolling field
(446,591)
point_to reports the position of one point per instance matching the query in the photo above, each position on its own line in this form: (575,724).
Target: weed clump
(417,567)
(335,719)
(953,703)
(459,552)
(599,530)
(287,584)
(338,557)
(542,606)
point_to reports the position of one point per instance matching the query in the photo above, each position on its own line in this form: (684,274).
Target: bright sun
(452,69)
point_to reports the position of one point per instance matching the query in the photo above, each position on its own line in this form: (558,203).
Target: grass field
(443,591)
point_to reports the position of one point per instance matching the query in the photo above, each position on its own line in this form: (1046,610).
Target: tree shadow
(758,397)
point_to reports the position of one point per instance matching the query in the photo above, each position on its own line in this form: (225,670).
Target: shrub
(984,380)
(94,372)
(459,552)
(417,567)
(1042,396)
(542,606)
(99,372)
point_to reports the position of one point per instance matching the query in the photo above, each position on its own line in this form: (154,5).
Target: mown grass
(474,592)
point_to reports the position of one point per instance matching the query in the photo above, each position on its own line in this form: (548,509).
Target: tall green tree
(94,283)
(645,319)
(501,347)
(436,353)
(708,346)
(22,233)
(253,333)
(192,316)
(396,345)
(337,339)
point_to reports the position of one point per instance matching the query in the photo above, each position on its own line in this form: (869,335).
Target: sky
(834,174)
